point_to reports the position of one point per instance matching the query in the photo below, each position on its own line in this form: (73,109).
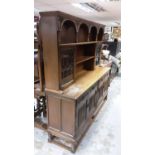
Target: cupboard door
(81,111)
(67,65)
(91,103)
(91,100)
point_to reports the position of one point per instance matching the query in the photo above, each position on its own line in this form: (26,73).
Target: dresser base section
(67,141)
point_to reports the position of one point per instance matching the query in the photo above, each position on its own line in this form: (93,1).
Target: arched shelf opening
(100,34)
(83,33)
(68,32)
(93,33)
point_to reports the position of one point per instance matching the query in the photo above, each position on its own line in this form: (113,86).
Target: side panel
(68,117)
(54,114)
(48,32)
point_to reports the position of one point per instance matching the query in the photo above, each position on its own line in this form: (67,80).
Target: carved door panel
(91,100)
(67,65)
(81,111)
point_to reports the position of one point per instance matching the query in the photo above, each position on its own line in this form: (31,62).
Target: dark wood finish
(93,34)
(100,34)
(48,34)
(75,85)
(83,59)
(83,33)
(68,32)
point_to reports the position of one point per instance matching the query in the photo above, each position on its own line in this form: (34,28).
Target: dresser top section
(83,82)
(68,16)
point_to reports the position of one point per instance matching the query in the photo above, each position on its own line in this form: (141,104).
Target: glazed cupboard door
(67,35)
(66,65)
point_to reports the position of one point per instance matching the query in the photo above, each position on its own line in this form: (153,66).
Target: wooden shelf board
(83,59)
(84,82)
(81,73)
(80,43)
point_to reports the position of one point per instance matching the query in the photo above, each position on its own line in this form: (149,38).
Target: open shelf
(100,34)
(93,34)
(83,33)
(68,32)
(83,59)
(80,43)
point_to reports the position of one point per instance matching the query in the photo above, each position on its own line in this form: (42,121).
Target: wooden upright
(75,84)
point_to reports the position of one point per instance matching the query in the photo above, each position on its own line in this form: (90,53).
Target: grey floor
(102,138)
